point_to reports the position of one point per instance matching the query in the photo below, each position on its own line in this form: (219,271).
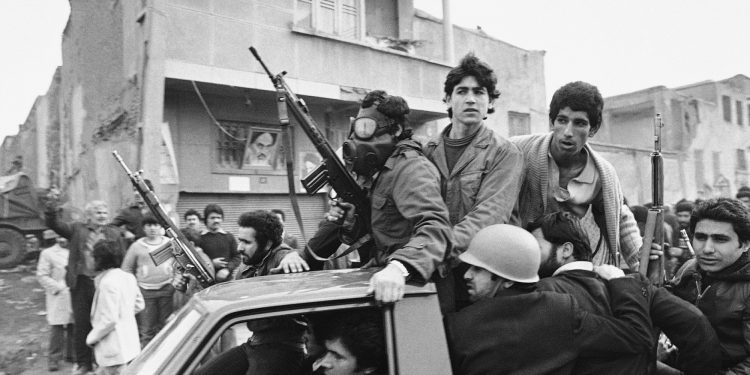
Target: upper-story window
(342,18)
(740,116)
(741,160)
(726,106)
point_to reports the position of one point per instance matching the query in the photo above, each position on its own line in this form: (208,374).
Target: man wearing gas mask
(409,221)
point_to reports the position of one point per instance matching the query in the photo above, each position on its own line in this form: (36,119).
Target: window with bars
(342,18)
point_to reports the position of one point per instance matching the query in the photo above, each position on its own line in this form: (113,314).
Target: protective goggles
(369,122)
(366,127)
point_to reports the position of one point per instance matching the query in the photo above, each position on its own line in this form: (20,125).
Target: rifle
(654,269)
(178,247)
(331,171)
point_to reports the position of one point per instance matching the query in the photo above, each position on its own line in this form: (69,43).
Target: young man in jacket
(566,268)
(480,171)
(564,173)
(524,331)
(717,281)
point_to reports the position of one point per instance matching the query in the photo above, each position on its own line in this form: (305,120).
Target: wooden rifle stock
(654,232)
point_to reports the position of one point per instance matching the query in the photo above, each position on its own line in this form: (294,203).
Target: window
(518,123)
(741,160)
(716,164)
(249,147)
(726,105)
(748,114)
(344,18)
(740,116)
(700,172)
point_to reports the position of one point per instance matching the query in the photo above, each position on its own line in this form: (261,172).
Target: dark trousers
(61,340)
(82,297)
(154,315)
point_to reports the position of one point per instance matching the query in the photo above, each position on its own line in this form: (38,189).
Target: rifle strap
(289,156)
(356,245)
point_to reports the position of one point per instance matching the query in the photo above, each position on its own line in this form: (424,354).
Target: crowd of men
(531,236)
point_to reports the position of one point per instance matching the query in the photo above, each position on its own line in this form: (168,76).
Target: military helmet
(507,251)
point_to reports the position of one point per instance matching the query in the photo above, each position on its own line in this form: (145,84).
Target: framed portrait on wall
(263,149)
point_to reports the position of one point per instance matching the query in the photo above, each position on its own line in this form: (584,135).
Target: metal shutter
(311,207)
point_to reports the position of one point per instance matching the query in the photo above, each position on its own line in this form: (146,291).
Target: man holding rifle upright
(409,220)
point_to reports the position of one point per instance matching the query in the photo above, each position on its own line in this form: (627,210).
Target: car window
(165,342)
(299,343)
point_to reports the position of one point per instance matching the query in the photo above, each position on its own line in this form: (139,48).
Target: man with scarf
(717,281)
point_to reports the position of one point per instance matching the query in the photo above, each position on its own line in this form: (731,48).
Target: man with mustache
(717,281)
(563,173)
(566,268)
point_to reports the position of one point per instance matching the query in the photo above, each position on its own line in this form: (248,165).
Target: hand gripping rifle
(654,232)
(185,255)
(331,171)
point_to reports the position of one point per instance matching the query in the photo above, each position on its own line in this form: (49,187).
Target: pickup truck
(413,327)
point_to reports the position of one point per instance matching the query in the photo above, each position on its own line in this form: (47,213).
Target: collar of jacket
(206,231)
(737,271)
(402,147)
(252,268)
(481,141)
(578,265)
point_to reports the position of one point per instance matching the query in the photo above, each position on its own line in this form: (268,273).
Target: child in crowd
(114,332)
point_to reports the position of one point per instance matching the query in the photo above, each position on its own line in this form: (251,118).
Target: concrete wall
(693,121)
(96,111)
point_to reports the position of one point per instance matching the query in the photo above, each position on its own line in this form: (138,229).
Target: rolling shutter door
(312,208)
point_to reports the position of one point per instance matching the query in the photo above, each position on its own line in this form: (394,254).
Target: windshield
(166,341)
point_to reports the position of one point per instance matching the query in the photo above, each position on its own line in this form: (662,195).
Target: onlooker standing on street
(80,275)
(717,281)
(289,239)
(219,245)
(192,220)
(114,335)
(51,274)
(155,281)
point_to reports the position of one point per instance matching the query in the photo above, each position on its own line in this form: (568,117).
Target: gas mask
(369,144)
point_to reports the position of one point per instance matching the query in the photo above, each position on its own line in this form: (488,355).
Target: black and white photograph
(375,187)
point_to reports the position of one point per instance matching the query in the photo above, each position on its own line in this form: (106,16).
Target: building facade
(705,139)
(171,85)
